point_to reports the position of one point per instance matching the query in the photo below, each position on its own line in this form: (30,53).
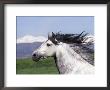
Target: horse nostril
(34,55)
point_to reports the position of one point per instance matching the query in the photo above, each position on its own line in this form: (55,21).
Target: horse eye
(48,44)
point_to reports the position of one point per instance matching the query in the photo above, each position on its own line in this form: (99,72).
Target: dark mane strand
(71,38)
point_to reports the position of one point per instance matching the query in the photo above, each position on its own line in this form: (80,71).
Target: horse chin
(36,59)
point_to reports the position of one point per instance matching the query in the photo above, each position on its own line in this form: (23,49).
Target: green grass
(28,66)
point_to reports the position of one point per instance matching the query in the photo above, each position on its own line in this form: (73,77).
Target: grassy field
(27,66)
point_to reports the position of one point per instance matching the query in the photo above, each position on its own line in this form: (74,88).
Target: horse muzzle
(36,57)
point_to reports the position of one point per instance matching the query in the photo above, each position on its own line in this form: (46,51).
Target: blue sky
(41,25)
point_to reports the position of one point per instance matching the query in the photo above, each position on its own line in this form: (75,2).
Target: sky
(42,25)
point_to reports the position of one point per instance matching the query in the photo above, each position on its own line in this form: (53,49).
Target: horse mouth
(36,59)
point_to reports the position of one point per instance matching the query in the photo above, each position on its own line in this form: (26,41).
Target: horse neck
(67,59)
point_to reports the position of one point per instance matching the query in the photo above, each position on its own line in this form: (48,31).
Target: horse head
(48,48)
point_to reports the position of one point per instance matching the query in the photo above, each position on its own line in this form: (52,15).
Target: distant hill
(24,50)
(27,44)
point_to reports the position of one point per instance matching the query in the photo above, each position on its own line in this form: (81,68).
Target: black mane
(84,50)
(71,38)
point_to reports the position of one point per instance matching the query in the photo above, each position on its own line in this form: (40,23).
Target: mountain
(31,39)
(24,50)
(27,44)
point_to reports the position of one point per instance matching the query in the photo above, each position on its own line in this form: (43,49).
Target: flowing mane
(78,44)
(71,38)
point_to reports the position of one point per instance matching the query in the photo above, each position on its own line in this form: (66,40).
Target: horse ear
(53,35)
(49,35)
